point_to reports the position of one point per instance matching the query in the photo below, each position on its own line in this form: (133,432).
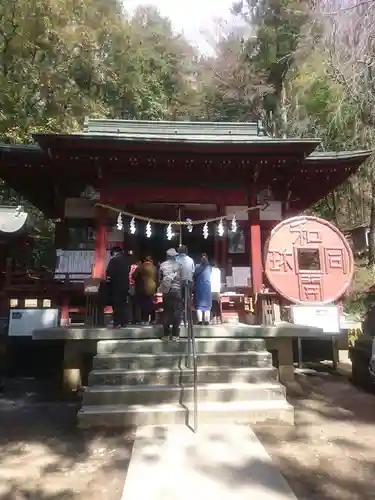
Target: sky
(196,18)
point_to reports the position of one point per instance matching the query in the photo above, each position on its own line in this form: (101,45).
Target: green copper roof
(183,131)
(173,130)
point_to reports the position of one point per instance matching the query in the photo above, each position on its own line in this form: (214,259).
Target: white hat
(171,252)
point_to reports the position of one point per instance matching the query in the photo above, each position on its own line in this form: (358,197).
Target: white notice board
(22,322)
(325,317)
(241,276)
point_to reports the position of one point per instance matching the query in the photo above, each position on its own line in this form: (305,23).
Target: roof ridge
(173,128)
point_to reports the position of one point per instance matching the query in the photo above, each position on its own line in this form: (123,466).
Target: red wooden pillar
(100,262)
(64,313)
(255,245)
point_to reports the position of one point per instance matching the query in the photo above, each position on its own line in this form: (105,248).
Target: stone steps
(273,412)
(174,376)
(156,346)
(146,382)
(258,359)
(150,395)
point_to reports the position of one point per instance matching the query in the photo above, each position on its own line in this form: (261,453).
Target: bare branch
(351,7)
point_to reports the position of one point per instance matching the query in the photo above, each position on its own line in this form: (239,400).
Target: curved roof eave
(324,156)
(147,139)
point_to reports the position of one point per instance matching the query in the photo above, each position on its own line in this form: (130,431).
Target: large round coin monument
(308,261)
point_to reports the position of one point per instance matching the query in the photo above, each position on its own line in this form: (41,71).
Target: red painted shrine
(173,171)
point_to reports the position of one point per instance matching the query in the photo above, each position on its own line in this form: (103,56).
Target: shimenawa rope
(188,222)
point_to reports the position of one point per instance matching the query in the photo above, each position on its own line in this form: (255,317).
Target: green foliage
(63,60)
(233,89)
(353,335)
(277,26)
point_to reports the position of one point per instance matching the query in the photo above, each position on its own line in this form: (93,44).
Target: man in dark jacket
(118,283)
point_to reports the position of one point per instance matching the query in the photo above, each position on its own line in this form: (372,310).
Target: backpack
(169,278)
(167,281)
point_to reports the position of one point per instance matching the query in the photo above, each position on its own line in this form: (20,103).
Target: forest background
(306,68)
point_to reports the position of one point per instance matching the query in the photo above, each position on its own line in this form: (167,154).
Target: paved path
(221,462)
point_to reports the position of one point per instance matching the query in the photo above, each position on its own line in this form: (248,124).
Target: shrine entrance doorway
(197,244)
(157,245)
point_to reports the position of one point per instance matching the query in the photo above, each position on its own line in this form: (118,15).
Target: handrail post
(195,379)
(192,356)
(187,307)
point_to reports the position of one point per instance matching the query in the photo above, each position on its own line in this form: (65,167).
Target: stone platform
(82,340)
(81,332)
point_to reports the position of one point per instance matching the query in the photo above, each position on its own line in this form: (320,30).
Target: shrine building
(171,171)
(218,188)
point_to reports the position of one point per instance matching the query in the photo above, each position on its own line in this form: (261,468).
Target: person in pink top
(131,297)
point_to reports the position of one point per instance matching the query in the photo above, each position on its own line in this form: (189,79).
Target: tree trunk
(283,112)
(371,236)
(334,208)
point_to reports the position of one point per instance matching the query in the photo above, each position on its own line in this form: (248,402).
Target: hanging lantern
(205,231)
(220,228)
(148,230)
(189,225)
(169,232)
(132,227)
(119,225)
(233,226)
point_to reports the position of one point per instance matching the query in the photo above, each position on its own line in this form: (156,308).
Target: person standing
(145,277)
(187,276)
(203,295)
(187,264)
(132,314)
(215,292)
(118,285)
(170,274)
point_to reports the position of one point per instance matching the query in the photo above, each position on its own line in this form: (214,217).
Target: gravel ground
(330,454)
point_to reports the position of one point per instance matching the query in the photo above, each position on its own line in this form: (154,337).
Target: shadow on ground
(330,453)
(44,456)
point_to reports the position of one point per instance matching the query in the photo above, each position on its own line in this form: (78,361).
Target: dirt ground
(329,455)
(44,457)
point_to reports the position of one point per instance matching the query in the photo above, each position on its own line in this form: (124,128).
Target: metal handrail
(192,351)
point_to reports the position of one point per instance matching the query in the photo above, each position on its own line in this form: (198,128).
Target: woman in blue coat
(203,296)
